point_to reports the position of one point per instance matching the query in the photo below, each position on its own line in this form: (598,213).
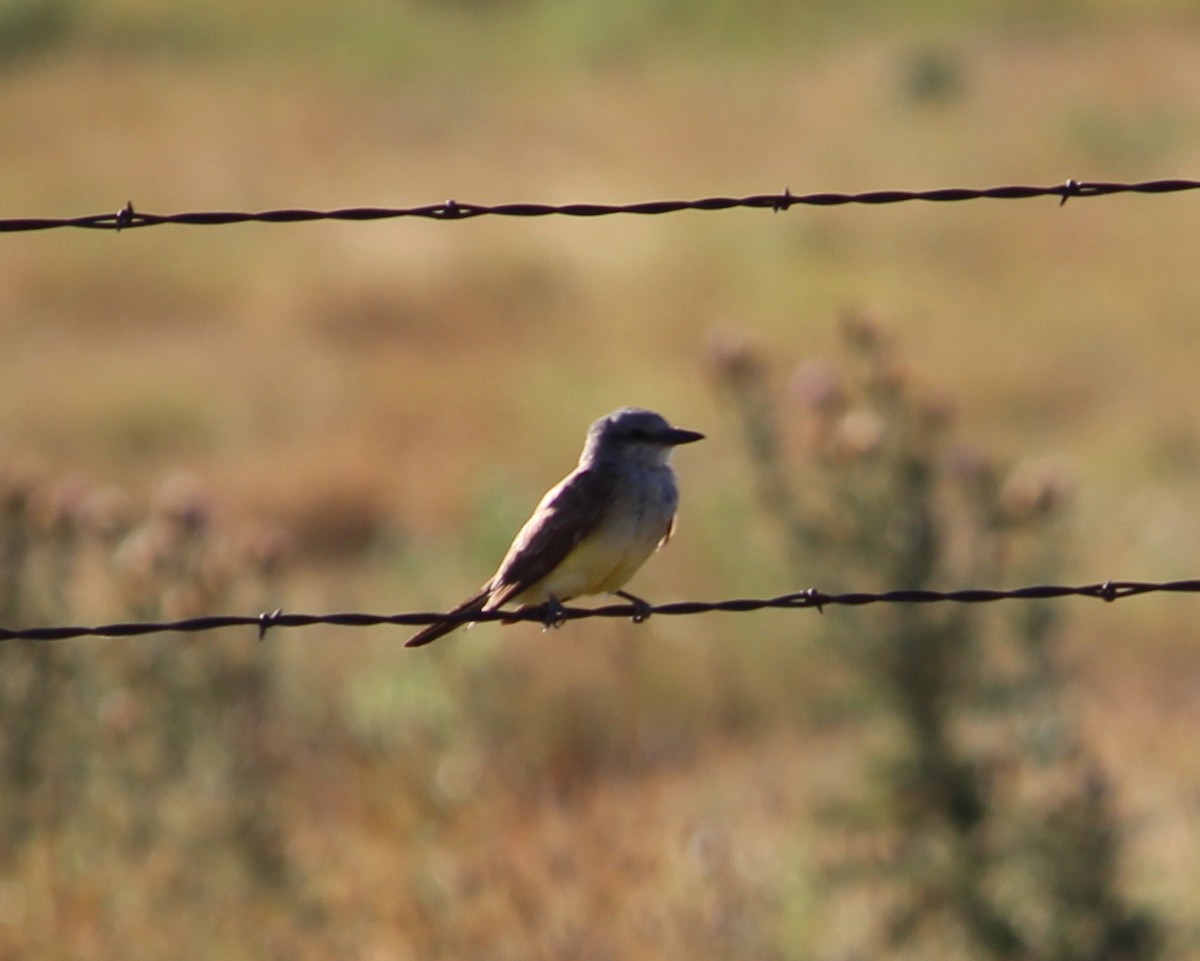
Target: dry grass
(399,394)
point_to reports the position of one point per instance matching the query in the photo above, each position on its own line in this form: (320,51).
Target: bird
(595,528)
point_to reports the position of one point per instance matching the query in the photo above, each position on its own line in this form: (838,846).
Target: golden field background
(383,403)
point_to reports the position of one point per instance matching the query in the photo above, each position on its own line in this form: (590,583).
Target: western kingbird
(595,527)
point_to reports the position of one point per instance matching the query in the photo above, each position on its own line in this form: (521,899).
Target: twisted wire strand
(810,599)
(127,218)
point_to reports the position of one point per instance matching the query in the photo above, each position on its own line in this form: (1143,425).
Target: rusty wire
(810,599)
(128,218)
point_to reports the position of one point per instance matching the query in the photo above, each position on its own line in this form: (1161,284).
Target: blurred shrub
(111,746)
(989,827)
(932,75)
(29,27)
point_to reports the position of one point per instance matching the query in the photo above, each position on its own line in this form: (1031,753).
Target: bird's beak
(677,435)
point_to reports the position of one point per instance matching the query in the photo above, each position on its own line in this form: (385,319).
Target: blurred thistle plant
(96,736)
(988,824)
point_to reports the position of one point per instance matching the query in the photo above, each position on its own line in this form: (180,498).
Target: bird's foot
(553,615)
(641,609)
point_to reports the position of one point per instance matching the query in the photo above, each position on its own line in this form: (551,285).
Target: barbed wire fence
(554,616)
(127,218)
(954,790)
(451,210)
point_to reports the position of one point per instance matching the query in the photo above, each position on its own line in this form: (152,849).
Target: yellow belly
(599,564)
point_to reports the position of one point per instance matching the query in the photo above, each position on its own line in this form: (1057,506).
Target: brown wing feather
(667,535)
(566,515)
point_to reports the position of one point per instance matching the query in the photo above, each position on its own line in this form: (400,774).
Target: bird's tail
(431,633)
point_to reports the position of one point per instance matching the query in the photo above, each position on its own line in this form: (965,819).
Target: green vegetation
(420,38)
(993,824)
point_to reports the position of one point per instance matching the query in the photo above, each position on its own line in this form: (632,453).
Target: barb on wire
(128,218)
(806,599)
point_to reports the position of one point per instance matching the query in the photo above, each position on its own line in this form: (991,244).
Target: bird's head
(635,434)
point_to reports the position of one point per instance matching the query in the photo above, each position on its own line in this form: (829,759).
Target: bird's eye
(638,433)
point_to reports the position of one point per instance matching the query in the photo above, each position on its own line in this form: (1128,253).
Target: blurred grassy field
(397,395)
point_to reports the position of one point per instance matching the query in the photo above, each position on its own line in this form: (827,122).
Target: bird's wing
(567,514)
(667,536)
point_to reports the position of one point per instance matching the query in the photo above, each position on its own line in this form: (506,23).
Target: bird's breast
(629,531)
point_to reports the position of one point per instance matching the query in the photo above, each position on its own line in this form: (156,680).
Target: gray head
(634,434)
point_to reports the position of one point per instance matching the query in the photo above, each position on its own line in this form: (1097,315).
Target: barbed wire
(127,218)
(810,599)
